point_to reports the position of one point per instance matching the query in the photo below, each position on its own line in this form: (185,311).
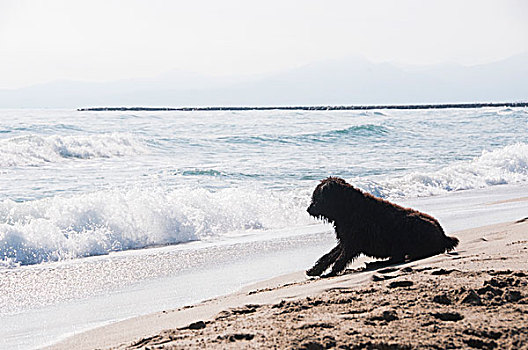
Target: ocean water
(77,184)
(98,210)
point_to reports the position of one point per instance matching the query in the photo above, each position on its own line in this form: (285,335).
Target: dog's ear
(323,187)
(328,185)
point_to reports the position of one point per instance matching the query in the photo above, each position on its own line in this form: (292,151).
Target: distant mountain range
(339,82)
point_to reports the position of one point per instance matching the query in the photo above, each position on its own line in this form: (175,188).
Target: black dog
(373,226)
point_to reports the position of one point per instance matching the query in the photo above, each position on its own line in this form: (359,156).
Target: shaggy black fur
(373,226)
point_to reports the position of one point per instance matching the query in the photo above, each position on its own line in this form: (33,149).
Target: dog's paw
(313,272)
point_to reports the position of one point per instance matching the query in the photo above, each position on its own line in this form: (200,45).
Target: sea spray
(98,223)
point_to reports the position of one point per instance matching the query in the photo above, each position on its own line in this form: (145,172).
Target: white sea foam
(507,165)
(97,223)
(34,150)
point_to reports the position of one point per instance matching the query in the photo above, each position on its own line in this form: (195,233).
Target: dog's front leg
(341,263)
(325,261)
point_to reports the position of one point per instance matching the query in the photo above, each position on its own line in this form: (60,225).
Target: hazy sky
(95,40)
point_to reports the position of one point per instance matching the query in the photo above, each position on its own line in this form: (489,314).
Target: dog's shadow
(383,266)
(394,265)
(377,265)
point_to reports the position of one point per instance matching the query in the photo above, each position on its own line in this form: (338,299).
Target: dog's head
(327,199)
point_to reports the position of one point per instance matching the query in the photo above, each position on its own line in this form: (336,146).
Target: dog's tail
(451,243)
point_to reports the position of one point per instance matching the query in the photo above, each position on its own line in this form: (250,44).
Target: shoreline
(498,247)
(309,108)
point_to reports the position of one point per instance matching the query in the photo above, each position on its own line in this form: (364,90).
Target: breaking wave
(33,150)
(507,165)
(98,223)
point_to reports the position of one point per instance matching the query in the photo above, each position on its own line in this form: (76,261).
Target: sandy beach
(475,297)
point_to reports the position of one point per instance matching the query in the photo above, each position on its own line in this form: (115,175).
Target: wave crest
(98,223)
(507,165)
(33,150)
(359,131)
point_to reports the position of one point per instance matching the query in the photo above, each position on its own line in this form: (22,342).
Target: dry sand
(476,297)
